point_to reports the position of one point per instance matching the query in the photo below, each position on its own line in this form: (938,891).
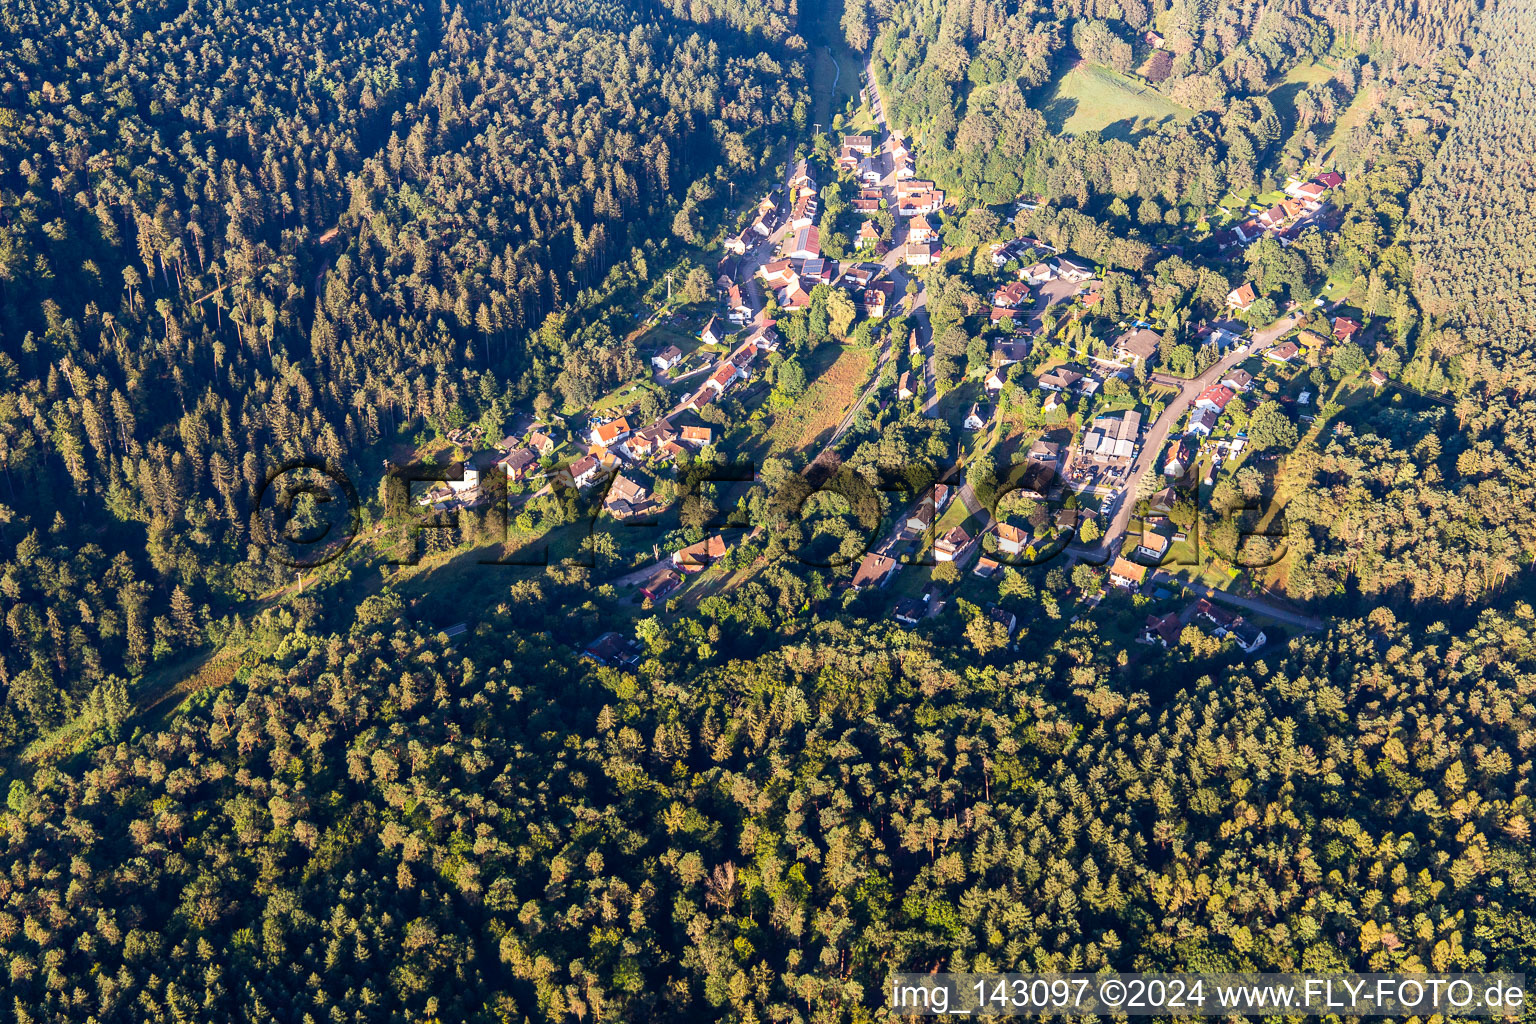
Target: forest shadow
(1284,99)
(1129,129)
(1057,111)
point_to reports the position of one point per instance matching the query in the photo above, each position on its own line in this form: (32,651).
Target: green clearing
(1359,109)
(838,374)
(834,67)
(1091,98)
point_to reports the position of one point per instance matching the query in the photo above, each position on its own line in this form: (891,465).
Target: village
(1105,487)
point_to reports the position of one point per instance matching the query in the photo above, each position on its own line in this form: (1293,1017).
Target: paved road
(1157,434)
(894,268)
(1254,605)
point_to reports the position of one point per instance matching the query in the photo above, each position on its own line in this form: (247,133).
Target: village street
(917,313)
(1156,436)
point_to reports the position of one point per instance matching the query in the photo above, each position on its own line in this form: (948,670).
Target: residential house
(977,417)
(1246,232)
(1222,333)
(612,651)
(667,358)
(644,443)
(920,203)
(1378,378)
(1011,540)
(626,497)
(919,230)
(1045,452)
(697,557)
(1283,353)
(1215,397)
(1137,346)
(859,275)
(904,387)
(610,433)
(1009,350)
(584,470)
(1330,179)
(1306,191)
(701,398)
(1220,618)
(1053,401)
(806,244)
(738,244)
(1036,480)
(869,171)
(1163,630)
(918,254)
(520,463)
(1345,328)
(778,274)
(1249,638)
(868,234)
(1156,539)
(1153,40)
(949,547)
(800,175)
(1060,378)
(862,144)
(714,331)
(661,584)
(986,567)
(1238,379)
(541,443)
(909,611)
(1004,618)
(817,271)
(698,437)
(736,304)
(1037,273)
(794,296)
(1011,294)
(1126,573)
(1243,296)
(1203,421)
(1181,456)
(1163,501)
(1001,313)
(874,571)
(874,299)
(803,213)
(1069,268)
(921,517)
(995,381)
(725,375)
(847,160)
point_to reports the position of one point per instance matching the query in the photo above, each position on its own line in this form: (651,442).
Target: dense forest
(368,824)
(233,236)
(230,238)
